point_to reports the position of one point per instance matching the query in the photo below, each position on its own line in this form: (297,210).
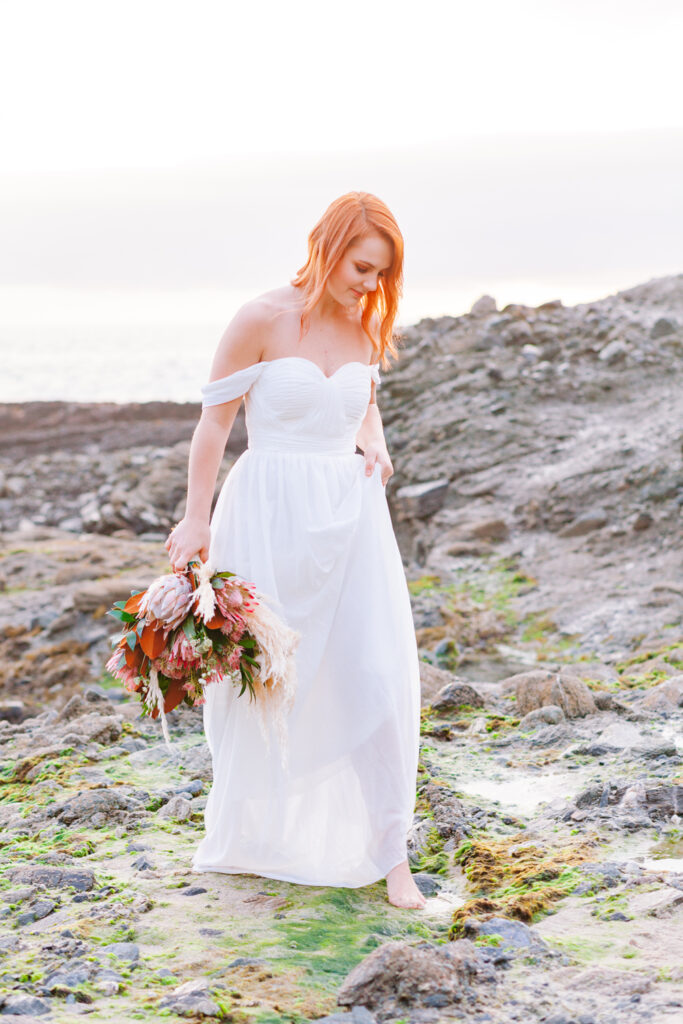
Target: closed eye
(361,270)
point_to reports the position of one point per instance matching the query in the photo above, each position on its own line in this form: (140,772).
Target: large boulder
(537,689)
(397,976)
(666,697)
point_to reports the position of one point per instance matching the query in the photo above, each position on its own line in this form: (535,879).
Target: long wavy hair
(345,221)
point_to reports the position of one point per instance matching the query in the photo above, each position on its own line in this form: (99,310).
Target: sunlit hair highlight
(346,220)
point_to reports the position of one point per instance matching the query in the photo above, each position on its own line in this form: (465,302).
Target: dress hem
(291,878)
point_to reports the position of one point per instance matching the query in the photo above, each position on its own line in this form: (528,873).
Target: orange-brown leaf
(132,605)
(172,698)
(152,641)
(134,658)
(216,621)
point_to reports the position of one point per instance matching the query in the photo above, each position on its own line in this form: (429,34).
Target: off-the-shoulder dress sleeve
(232,386)
(374,373)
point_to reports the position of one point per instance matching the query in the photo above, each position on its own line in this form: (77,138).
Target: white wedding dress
(298,517)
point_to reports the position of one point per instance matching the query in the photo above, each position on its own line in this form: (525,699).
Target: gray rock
(621,736)
(551,735)
(84,704)
(93,728)
(81,879)
(190,1006)
(400,975)
(418,839)
(191,999)
(421,500)
(585,523)
(13,710)
(456,695)
(178,808)
(41,908)
(662,327)
(194,788)
(550,714)
(144,863)
(613,351)
(666,696)
(66,978)
(97,807)
(537,689)
(484,305)
(24,1005)
(123,950)
(361,1015)
(514,934)
(427,884)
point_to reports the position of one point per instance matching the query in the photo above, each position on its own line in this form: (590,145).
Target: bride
(303,515)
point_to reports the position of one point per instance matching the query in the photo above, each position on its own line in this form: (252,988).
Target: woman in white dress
(304,517)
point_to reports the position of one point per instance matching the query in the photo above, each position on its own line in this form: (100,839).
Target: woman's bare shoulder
(246,337)
(277,300)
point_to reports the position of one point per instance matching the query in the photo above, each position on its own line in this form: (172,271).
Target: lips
(359,295)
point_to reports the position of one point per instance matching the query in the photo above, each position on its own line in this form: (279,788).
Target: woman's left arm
(370,438)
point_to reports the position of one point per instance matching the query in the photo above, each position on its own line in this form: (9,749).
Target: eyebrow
(359,260)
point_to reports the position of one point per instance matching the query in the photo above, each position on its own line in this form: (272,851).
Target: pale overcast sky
(531,150)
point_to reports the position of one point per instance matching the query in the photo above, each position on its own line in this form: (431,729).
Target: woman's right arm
(240,346)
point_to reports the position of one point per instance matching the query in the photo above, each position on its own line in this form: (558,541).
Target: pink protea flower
(227,604)
(233,597)
(236,595)
(167,600)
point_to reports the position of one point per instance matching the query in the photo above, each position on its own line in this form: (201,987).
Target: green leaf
(188,628)
(131,639)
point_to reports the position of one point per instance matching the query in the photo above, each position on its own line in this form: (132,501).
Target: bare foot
(401,888)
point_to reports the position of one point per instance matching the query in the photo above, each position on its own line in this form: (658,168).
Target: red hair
(346,220)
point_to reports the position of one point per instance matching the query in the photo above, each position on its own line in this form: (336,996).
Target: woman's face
(360,268)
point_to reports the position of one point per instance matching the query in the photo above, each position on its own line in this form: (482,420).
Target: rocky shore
(537,500)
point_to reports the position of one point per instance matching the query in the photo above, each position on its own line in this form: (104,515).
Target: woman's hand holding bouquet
(196,627)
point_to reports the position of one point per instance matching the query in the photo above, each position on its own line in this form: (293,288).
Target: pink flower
(234,595)
(117,658)
(238,631)
(182,651)
(214,676)
(169,669)
(167,600)
(234,658)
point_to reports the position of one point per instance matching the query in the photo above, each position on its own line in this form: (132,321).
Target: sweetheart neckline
(302,359)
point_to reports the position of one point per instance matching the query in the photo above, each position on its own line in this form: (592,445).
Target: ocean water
(139,346)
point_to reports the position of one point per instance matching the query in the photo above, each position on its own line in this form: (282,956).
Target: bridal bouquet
(194,627)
